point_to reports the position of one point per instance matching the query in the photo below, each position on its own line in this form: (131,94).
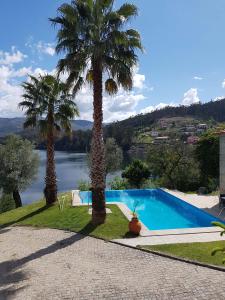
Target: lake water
(70,167)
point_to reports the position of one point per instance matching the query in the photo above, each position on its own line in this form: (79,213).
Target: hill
(15,125)
(181,123)
(214,110)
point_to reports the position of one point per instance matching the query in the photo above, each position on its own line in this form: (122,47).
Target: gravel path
(52,264)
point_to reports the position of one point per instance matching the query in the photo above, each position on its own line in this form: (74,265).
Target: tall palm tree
(49,107)
(97,49)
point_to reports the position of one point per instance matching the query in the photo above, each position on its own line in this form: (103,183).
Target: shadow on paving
(215,210)
(4,230)
(9,273)
(9,293)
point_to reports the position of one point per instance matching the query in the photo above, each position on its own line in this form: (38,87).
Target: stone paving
(52,264)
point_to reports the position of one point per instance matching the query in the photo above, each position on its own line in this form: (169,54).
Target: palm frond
(43,127)
(89,76)
(78,85)
(31,121)
(111,86)
(127,11)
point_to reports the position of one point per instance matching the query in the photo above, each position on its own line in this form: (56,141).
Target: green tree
(136,173)
(118,183)
(18,166)
(6,203)
(174,166)
(49,107)
(207,154)
(92,37)
(113,156)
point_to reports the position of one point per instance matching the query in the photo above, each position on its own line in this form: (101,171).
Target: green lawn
(200,252)
(70,218)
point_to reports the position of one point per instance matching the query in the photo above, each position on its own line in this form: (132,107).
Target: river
(70,168)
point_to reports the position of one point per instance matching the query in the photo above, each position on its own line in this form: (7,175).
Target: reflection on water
(70,167)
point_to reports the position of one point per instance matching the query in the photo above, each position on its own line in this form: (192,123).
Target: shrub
(6,203)
(118,184)
(136,173)
(84,185)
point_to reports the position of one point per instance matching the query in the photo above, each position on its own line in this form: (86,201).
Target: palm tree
(97,48)
(49,107)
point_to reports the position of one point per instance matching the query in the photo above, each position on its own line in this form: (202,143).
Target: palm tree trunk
(50,190)
(98,151)
(17,198)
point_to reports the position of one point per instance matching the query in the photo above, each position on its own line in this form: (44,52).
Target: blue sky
(184,59)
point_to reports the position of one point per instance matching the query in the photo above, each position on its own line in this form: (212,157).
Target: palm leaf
(111,86)
(127,10)
(78,85)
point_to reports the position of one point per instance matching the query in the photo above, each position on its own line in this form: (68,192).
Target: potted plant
(134,224)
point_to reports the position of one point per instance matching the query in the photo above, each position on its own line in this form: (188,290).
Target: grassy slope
(200,252)
(70,218)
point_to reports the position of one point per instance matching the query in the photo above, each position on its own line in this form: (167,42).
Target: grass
(70,218)
(200,252)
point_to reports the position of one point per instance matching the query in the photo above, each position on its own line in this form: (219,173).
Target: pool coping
(145,232)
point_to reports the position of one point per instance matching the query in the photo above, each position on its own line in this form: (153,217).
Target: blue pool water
(159,210)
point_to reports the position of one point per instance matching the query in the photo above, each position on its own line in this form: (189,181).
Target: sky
(183,61)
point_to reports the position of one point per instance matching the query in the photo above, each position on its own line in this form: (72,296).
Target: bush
(118,184)
(150,184)
(84,186)
(6,203)
(136,173)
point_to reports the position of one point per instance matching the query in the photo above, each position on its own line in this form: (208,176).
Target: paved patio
(52,264)
(209,204)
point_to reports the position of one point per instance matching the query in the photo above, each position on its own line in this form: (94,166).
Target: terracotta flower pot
(135,226)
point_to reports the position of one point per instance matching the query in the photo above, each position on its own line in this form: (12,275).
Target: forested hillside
(211,110)
(130,131)
(15,125)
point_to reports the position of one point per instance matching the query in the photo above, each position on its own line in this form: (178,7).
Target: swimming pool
(158,209)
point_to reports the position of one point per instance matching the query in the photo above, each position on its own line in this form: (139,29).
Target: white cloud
(10,58)
(139,81)
(40,47)
(9,93)
(117,107)
(46,48)
(151,108)
(191,97)
(219,98)
(223,84)
(197,78)
(21,72)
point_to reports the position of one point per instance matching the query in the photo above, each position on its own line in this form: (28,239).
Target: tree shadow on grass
(10,271)
(30,215)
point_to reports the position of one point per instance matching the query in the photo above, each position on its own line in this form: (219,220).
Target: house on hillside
(192,139)
(161,139)
(190,128)
(202,126)
(154,133)
(163,124)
